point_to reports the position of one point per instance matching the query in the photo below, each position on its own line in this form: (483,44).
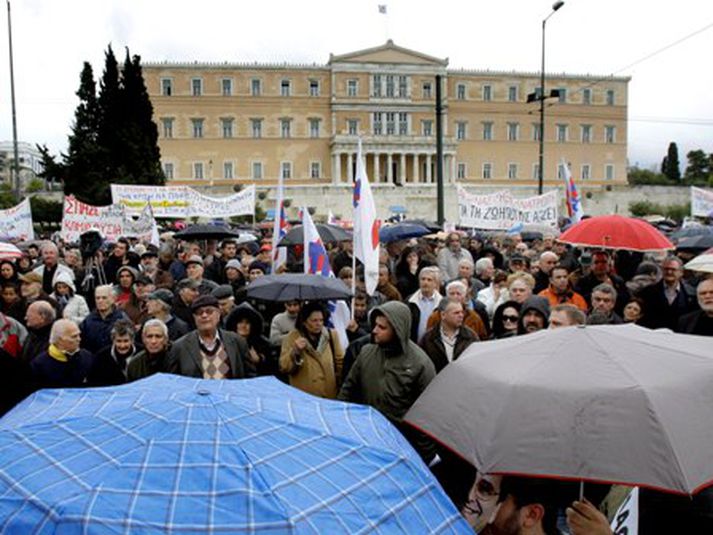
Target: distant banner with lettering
(701,202)
(16,223)
(501,210)
(79,217)
(182,202)
(142,227)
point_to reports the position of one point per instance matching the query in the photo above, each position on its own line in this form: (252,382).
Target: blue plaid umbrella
(172,454)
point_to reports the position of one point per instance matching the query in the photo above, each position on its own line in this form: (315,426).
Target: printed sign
(78,217)
(626,519)
(500,210)
(701,202)
(16,223)
(142,227)
(242,203)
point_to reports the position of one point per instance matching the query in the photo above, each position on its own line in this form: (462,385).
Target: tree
(698,169)
(640,177)
(671,165)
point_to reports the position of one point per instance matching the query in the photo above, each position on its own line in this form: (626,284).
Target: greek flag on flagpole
(574,203)
(316,261)
(366,226)
(280,228)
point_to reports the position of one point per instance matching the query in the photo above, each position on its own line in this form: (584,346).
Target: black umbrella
(401,231)
(328,233)
(689,232)
(206,232)
(430,225)
(696,243)
(298,286)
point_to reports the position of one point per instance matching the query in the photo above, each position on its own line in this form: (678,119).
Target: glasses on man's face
(205,311)
(511,319)
(485,490)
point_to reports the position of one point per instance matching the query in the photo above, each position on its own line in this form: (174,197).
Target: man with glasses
(208,352)
(602,273)
(668,299)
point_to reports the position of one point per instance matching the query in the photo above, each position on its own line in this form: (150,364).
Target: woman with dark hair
(24,264)
(248,323)
(408,266)
(505,319)
(12,304)
(311,354)
(8,272)
(634,310)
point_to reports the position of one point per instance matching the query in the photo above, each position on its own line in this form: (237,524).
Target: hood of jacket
(537,303)
(66,278)
(399,316)
(245,311)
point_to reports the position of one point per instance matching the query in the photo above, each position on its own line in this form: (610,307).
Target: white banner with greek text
(701,202)
(16,223)
(501,210)
(79,217)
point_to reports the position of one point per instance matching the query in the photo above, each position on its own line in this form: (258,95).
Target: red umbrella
(616,232)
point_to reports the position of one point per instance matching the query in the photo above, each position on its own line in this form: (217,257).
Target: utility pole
(439,152)
(16,162)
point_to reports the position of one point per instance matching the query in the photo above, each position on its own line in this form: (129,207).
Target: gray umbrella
(298,286)
(597,403)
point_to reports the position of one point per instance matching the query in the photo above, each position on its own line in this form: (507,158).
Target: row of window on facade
(513,171)
(385,86)
(391,123)
(202,171)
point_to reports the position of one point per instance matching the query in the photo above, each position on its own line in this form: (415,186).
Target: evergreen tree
(698,169)
(672,165)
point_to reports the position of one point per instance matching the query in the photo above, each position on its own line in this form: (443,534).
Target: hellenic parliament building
(224,124)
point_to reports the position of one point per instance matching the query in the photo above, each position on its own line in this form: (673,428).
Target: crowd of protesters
(129,310)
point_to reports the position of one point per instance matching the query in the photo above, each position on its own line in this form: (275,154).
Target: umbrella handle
(581,490)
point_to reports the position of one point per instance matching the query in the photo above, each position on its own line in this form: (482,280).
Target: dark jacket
(141,365)
(586,284)
(537,303)
(256,340)
(182,311)
(185,357)
(38,340)
(432,344)
(96,331)
(498,326)
(106,369)
(697,322)
(48,372)
(657,311)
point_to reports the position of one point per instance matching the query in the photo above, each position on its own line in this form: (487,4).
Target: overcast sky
(670,97)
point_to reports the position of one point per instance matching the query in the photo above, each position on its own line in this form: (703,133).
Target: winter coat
(256,341)
(140,365)
(432,344)
(316,371)
(76,308)
(96,331)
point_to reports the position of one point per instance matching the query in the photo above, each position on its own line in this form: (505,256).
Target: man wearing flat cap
(195,270)
(158,306)
(208,352)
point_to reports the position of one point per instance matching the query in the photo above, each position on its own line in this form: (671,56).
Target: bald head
(548,260)
(39,314)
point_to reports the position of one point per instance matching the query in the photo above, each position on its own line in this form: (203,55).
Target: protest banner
(79,217)
(242,203)
(16,223)
(142,227)
(626,519)
(701,202)
(166,201)
(501,210)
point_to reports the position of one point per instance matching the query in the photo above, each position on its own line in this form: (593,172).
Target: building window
(586,133)
(536,171)
(460,92)
(403,123)
(427,128)
(314,88)
(512,93)
(285,88)
(257,170)
(378,124)
(461,173)
(390,123)
(536,132)
(227,127)
(390,87)
(228,170)
(314,128)
(561,133)
(198,170)
(256,87)
(166,87)
(197,127)
(315,170)
(586,96)
(610,97)
(460,130)
(352,88)
(168,170)
(377,85)
(403,87)
(610,134)
(285,128)
(487,131)
(513,131)
(167,124)
(353,127)
(226,85)
(286,170)
(487,170)
(487,92)
(512,171)
(560,170)
(609,171)
(196,87)
(586,171)
(426,90)
(562,95)
(256,127)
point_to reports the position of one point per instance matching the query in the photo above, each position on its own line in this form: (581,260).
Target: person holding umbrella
(311,354)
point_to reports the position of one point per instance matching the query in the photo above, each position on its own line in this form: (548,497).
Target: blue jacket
(96,331)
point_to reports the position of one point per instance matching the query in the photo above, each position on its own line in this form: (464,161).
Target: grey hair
(456,284)
(433,270)
(156,323)
(58,329)
(482,264)
(605,288)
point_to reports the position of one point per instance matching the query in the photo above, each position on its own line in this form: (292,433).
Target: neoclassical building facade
(227,124)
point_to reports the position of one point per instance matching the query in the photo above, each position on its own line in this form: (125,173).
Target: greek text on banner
(16,222)
(501,210)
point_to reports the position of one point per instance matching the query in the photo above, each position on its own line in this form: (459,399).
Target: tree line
(698,172)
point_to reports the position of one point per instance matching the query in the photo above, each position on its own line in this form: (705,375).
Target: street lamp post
(541,98)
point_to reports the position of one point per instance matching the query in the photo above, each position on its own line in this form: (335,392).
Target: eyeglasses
(207,311)
(485,490)
(510,318)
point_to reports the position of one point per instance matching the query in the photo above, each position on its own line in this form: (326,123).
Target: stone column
(337,176)
(350,167)
(429,178)
(389,168)
(452,178)
(416,179)
(402,169)
(377,178)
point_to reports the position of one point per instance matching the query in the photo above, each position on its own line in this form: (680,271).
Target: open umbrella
(616,232)
(206,232)
(328,233)
(171,454)
(695,244)
(430,225)
(694,230)
(401,231)
(598,403)
(298,286)
(703,263)
(9,252)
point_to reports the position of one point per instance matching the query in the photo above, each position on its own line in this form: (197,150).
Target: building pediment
(388,53)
